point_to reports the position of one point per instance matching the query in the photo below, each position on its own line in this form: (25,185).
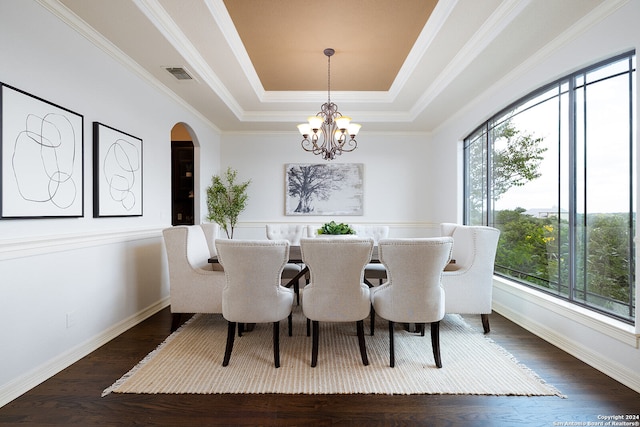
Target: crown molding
(77,24)
(159,17)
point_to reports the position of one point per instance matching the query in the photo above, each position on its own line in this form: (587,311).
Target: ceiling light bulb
(353,129)
(315,122)
(343,122)
(304,129)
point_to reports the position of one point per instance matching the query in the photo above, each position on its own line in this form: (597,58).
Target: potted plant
(226,200)
(334,229)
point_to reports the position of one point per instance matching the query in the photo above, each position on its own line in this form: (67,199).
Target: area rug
(190,361)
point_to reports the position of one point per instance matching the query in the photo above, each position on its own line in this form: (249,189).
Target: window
(556,173)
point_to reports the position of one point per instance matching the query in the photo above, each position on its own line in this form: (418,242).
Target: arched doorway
(182,176)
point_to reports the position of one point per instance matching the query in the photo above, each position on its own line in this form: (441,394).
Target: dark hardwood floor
(73,396)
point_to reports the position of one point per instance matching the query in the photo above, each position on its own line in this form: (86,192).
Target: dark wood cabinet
(182,185)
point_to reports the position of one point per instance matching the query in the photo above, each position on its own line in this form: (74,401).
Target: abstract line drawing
(117,172)
(41,158)
(324,189)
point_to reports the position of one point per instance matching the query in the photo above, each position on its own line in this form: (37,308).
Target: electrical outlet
(71,319)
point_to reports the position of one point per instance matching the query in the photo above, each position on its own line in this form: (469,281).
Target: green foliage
(333,228)
(518,162)
(515,161)
(226,200)
(536,251)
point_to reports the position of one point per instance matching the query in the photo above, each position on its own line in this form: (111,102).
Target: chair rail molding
(30,246)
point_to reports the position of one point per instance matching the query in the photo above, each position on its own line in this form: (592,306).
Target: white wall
(67,285)
(398,180)
(607,345)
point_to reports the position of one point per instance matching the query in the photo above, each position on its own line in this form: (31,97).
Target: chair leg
(392,351)
(231,332)
(308,327)
(175,321)
(363,349)
(240,329)
(485,323)
(314,346)
(372,319)
(290,323)
(276,344)
(422,328)
(435,342)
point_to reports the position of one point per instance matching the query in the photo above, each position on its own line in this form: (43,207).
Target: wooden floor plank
(72,397)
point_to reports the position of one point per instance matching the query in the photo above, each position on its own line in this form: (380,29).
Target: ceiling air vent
(179,73)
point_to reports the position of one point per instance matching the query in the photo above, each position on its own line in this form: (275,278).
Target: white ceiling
(465,47)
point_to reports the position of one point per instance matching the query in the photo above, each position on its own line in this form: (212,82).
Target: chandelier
(338,133)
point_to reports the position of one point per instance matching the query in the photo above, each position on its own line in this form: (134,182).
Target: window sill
(621,331)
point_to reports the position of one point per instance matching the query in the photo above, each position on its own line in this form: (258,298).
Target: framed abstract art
(117,172)
(42,167)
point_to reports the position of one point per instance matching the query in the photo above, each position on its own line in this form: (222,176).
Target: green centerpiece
(332,228)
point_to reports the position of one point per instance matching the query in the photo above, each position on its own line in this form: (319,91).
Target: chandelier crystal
(337,132)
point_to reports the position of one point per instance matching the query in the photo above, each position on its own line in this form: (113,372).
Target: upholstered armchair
(336,291)
(253,293)
(194,286)
(468,279)
(373,271)
(413,292)
(291,233)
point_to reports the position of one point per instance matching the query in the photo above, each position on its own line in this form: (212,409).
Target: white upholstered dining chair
(194,286)
(468,279)
(413,292)
(336,291)
(253,293)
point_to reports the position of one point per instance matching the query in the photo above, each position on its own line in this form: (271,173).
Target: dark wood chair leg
(231,332)
(240,329)
(435,343)
(314,346)
(392,351)
(372,319)
(296,289)
(276,344)
(363,348)
(290,323)
(175,321)
(485,323)
(422,327)
(308,327)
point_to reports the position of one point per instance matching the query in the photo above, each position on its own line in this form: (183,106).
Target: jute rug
(190,361)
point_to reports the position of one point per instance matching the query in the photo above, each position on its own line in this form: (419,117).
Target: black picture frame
(41,157)
(117,173)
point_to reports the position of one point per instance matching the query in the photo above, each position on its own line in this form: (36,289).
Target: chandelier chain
(329,79)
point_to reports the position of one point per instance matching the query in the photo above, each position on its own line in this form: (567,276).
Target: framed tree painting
(41,158)
(324,189)
(117,172)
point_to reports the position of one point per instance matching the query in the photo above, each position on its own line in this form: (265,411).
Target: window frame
(484,132)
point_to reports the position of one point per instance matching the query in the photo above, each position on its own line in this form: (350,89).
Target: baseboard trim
(607,366)
(21,385)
